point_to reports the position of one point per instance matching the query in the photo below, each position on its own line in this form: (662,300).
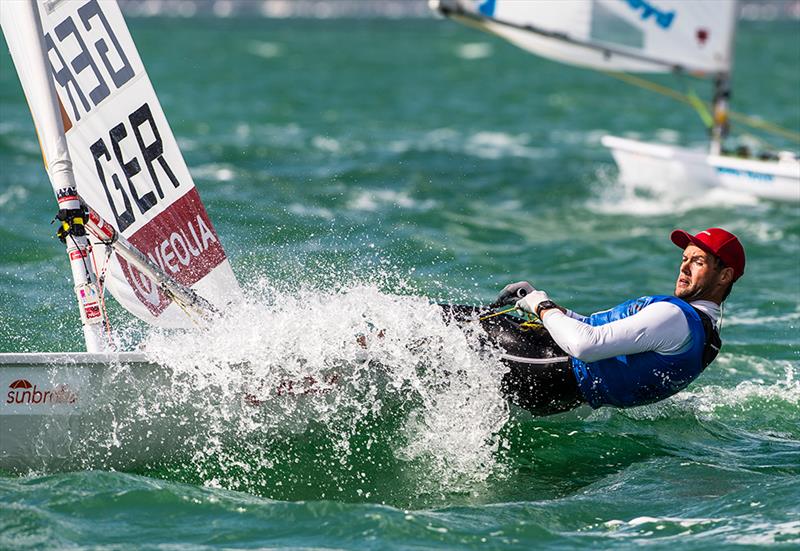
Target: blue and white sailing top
(638,352)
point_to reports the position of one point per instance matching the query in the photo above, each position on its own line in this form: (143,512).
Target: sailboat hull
(665,167)
(79,411)
(58,411)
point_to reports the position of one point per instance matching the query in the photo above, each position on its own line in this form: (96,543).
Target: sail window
(610,28)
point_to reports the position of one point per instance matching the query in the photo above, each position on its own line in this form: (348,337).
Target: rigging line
(695,101)
(182,306)
(83,258)
(482,318)
(683,98)
(530,321)
(700,108)
(764,125)
(102,289)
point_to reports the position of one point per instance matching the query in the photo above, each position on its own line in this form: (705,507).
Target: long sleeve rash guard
(659,327)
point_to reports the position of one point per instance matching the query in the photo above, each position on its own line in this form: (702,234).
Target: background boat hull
(665,167)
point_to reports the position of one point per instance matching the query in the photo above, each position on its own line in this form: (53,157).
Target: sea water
(358,171)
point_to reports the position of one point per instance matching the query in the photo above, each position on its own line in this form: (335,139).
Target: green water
(347,162)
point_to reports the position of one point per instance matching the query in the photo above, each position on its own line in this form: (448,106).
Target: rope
(483,318)
(765,126)
(684,98)
(183,307)
(701,109)
(527,324)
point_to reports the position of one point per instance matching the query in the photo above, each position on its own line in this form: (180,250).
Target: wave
(483,144)
(374,200)
(610,196)
(714,402)
(13,196)
(267,50)
(474,50)
(333,363)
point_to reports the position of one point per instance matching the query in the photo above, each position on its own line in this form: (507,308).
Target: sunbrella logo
(22,391)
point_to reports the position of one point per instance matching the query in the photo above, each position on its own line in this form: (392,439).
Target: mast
(722,92)
(721,98)
(27,26)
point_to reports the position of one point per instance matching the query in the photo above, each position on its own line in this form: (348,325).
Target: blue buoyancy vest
(646,377)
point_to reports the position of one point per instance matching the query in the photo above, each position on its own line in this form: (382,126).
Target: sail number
(140,123)
(81,76)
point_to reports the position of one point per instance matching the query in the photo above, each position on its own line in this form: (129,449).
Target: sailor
(641,351)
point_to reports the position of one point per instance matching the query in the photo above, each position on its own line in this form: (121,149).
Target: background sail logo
(662,18)
(486,7)
(22,391)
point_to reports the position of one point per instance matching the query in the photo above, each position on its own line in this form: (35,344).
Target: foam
(374,200)
(659,199)
(266,50)
(215,171)
(474,50)
(14,196)
(414,364)
(712,401)
(482,144)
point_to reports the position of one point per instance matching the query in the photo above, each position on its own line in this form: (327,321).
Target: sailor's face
(698,274)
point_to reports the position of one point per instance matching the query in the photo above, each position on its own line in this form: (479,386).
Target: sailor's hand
(512,293)
(531,301)
(71,223)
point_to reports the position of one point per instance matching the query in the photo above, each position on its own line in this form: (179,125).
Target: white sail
(125,160)
(618,35)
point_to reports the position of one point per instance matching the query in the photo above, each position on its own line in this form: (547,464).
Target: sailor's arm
(660,327)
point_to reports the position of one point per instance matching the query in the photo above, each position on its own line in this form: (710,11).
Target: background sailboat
(105,141)
(668,36)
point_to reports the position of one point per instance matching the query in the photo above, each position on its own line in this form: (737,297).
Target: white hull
(63,411)
(79,411)
(666,167)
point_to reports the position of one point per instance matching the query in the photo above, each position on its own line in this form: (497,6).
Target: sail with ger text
(125,159)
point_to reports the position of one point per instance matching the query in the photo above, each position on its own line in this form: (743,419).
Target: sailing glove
(71,223)
(531,301)
(512,293)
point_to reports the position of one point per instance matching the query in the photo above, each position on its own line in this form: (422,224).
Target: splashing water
(334,379)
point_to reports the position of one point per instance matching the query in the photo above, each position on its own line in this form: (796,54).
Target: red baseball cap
(721,243)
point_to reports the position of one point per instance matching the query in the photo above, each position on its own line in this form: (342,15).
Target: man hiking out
(641,351)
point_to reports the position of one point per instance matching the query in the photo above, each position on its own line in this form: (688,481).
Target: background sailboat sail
(616,35)
(125,159)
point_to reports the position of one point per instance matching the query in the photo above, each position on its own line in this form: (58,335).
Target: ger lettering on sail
(125,160)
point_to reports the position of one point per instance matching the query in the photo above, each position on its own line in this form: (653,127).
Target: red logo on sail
(22,391)
(182,242)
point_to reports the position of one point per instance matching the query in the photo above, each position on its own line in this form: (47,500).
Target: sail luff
(22,28)
(23,31)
